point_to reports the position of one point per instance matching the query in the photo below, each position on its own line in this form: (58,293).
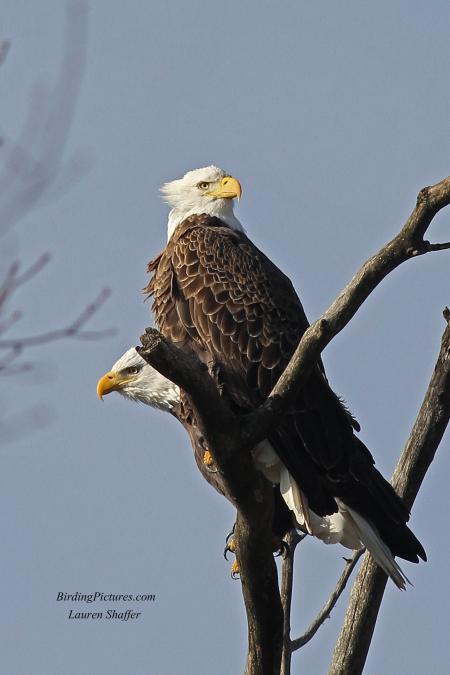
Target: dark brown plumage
(216,295)
(282,517)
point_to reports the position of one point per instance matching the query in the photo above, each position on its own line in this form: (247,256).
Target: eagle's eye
(203,185)
(132,370)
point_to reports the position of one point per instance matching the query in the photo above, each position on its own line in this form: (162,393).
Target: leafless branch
(408,244)
(73,330)
(230,438)
(245,486)
(14,347)
(354,640)
(330,603)
(14,279)
(33,168)
(289,645)
(292,539)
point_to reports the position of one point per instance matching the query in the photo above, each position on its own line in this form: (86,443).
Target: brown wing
(217,295)
(215,292)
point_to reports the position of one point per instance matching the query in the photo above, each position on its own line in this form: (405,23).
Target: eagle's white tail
(346,527)
(372,541)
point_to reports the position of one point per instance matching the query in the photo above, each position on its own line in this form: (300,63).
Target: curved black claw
(229,538)
(229,548)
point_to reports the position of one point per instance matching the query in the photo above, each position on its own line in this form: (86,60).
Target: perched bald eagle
(135,379)
(215,294)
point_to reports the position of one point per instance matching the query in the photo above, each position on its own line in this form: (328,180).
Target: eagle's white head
(209,190)
(135,379)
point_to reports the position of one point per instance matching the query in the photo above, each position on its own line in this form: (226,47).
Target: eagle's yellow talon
(208,458)
(235,569)
(231,545)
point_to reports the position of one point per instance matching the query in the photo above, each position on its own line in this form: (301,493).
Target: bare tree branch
(33,167)
(292,539)
(408,244)
(74,329)
(193,377)
(290,646)
(14,347)
(326,610)
(30,168)
(354,640)
(244,486)
(13,279)
(231,438)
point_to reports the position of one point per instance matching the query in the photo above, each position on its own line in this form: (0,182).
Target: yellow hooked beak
(229,189)
(111,382)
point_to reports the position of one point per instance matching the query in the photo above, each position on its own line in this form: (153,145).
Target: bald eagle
(132,377)
(216,295)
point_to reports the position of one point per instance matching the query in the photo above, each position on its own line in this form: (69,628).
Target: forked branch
(231,443)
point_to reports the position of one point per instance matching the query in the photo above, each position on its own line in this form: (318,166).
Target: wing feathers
(215,293)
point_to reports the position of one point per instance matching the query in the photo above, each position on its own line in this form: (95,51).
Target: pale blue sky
(333,116)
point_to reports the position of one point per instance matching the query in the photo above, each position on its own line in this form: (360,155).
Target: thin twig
(325,612)
(13,279)
(73,330)
(439,247)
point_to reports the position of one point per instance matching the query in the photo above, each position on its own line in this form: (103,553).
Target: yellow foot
(208,458)
(231,545)
(235,570)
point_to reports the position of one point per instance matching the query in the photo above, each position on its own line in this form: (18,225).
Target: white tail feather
(296,500)
(375,545)
(346,527)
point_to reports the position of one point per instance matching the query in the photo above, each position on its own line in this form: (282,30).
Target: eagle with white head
(209,190)
(216,295)
(133,378)
(136,380)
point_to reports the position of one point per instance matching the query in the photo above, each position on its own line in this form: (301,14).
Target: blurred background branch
(34,168)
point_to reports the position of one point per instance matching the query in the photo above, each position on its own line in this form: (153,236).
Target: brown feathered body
(282,518)
(217,296)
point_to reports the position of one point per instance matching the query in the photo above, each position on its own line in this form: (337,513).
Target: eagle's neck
(215,209)
(153,389)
